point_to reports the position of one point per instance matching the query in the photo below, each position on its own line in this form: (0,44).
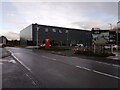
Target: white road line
(84,68)
(101,62)
(1,63)
(108,64)
(49,58)
(105,74)
(19,61)
(3,60)
(33,82)
(115,65)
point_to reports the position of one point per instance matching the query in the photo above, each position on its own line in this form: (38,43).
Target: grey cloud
(67,14)
(12,36)
(90,24)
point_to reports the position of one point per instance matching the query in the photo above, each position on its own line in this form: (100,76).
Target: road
(56,71)
(14,76)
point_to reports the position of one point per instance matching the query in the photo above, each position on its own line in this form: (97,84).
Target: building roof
(61,27)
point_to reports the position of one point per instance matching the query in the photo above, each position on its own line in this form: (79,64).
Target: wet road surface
(55,71)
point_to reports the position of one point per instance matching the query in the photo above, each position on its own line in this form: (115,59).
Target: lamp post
(111,46)
(67,37)
(117,37)
(110,26)
(37,35)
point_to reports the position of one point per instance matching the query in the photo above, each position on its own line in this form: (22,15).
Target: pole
(110,26)
(37,35)
(117,37)
(94,47)
(111,47)
(117,47)
(67,38)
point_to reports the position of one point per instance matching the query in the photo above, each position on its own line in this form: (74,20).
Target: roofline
(62,27)
(25,27)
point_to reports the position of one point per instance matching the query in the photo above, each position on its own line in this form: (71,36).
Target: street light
(110,26)
(111,29)
(37,35)
(67,37)
(117,36)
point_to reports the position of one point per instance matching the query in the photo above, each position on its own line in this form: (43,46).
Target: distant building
(36,34)
(3,40)
(104,37)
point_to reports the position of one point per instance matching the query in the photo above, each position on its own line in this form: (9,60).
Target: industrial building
(105,37)
(36,34)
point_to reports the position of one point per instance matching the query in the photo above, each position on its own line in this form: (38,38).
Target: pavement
(57,71)
(14,75)
(116,57)
(4,53)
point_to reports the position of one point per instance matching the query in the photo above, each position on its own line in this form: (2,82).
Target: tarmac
(111,59)
(12,74)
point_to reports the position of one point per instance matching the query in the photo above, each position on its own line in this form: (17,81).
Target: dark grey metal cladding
(59,35)
(54,33)
(26,36)
(34,34)
(80,36)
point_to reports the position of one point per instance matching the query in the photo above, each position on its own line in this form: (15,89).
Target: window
(60,31)
(53,30)
(46,29)
(66,31)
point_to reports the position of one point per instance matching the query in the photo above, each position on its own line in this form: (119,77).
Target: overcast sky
(82,15)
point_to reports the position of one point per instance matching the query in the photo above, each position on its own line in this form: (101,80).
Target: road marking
(3,60)
(19,61)
(108,64)
(33,82)
(101,62)
(1,63)
(105,74)
(49,58)
(12,61)
(84,68)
